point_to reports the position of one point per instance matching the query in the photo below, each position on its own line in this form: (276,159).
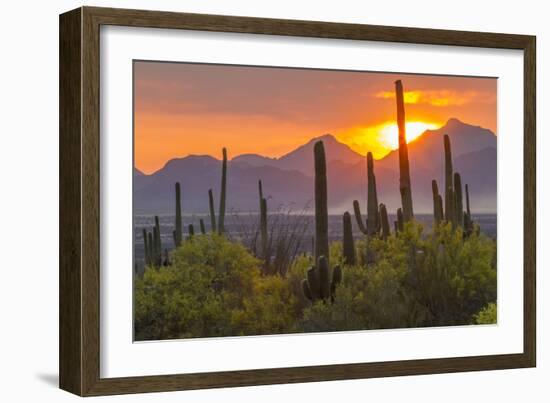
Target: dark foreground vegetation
(398,276)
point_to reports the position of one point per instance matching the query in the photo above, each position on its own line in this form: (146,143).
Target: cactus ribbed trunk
(178,227)
(372,198)
(321,203)
(349,246)
(384,223)
(458,200)
(221,215)
(449,199)
(191,231)
(359,217)
(212,212)
(404,172)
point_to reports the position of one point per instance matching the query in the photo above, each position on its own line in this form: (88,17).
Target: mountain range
(288,180)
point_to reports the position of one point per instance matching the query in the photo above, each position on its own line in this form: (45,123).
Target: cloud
(439,97)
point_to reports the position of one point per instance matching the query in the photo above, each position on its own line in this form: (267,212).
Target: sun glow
(389,134)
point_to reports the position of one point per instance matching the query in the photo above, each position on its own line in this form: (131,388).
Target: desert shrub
(209,277)
(487,315)
(434,279)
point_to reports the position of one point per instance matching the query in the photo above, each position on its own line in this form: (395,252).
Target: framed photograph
(249,201)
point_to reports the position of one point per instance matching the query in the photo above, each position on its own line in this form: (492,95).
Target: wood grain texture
(70,313)
(80,195)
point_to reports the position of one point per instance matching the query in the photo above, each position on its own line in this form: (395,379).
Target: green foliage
(208,277)
(417,280)
(487,315)
(214,287)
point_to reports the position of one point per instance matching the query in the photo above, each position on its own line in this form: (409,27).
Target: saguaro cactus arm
(372,198)
(359,217)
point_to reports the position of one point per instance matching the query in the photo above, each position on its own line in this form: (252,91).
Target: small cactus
(458,200)
(203,228)
(384,223)
(372,198)
(349,246)
(212,212)
(318,285)
(438,208)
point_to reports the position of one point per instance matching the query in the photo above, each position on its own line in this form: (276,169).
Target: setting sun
(389,133)
(380,139)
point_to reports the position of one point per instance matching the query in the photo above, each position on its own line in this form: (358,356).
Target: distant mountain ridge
(289,179)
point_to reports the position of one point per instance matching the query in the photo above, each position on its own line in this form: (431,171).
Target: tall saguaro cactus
(349,246)
(404,172)
(221,215)
(321,203)
(212,212)
(146,247)
(449,190)
(372,198)
(178,227)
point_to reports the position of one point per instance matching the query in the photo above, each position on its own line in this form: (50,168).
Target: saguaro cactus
(321,203)
(178,228)
(145,247)
(372,198)
(384,223)
(349,246)
(212,212)
(221,215)
(449,198)
(438,207)
(317,285)
(191,230)
(404,173)
(458,200)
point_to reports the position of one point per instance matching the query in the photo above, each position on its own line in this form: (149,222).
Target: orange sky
(183,109)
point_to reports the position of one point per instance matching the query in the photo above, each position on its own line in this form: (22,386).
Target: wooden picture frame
(79,201)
